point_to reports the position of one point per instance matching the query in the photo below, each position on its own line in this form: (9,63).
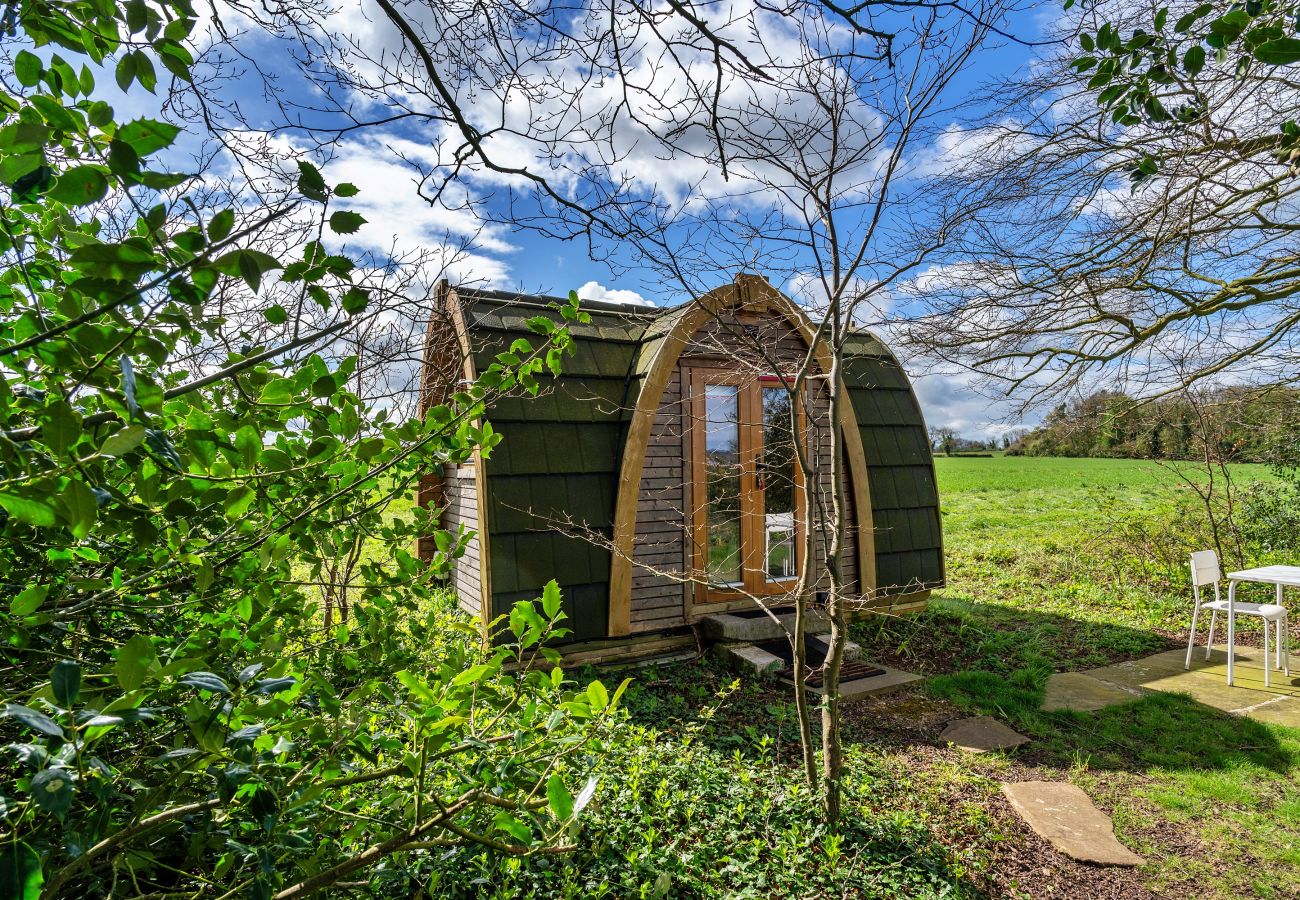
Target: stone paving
(1083,693)
(1063,814)
(981,734)
(1206,682)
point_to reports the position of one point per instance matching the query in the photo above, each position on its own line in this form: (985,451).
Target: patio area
(1206,683)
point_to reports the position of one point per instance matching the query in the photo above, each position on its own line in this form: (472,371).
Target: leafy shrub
(177,486)
(686,819)
(1270,517)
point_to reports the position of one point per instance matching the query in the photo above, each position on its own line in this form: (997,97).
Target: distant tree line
(1238,423)
(947,441)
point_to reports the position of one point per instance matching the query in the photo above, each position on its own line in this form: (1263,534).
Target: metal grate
(850,670)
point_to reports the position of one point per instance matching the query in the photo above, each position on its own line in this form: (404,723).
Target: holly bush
(178,489)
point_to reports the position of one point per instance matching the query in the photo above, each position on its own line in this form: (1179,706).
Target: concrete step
(747,659)
(820,644)
(755,625)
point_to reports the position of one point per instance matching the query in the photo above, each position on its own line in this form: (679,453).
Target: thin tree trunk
(832,742)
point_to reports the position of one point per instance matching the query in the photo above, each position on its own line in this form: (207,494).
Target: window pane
(722,483)
(776,471)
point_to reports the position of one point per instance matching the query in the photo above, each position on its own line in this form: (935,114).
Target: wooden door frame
(696,376)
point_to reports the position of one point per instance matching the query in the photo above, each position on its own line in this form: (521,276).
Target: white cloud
(951,400)
(594,290)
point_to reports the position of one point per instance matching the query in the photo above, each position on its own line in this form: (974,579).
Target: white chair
(1205,570)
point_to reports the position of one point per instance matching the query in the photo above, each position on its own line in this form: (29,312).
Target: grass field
(1053,565)
(1063,564)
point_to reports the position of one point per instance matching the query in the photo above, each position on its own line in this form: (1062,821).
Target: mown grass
(1056,565)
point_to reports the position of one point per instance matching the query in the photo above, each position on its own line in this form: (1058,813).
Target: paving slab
(1065,816)
(1083,693)
(1280,711)
(1206,682)
(981,734)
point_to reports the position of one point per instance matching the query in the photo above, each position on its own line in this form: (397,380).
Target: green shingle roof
(900,468)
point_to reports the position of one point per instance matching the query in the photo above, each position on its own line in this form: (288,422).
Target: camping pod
(656,478)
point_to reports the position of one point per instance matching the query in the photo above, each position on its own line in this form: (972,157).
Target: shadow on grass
(995,660)
(955,633)
(1161,730)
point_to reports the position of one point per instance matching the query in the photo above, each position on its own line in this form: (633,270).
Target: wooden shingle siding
(461,510)
(660,546)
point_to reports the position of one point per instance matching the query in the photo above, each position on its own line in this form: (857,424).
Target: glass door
(777,492)
(723,485)
(747,511)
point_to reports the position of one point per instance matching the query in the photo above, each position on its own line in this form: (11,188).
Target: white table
(1281,576)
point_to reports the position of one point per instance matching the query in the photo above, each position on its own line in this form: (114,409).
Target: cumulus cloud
(594,290)
(951,400)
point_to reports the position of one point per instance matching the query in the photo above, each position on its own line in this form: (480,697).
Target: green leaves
(248,441)
(123,441)
(28,68)
(79,507)
(28,509)
(251,265)
(136,67)
(126,261)
(189,527)
(205,681)
(80,186)
(221,225)
(52,790)
(65,682)
(278,391)
(133,661)
(28,600)
(36,721)
(551,599)
(20,871)
(346,222)
(310,183)
(504,821)
(1279,52)
(559,799)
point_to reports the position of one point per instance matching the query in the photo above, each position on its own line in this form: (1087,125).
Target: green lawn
(1063,564)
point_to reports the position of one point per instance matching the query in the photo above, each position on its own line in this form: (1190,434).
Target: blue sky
(523,259)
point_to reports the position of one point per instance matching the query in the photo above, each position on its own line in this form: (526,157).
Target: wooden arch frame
(447,303)
(748,293)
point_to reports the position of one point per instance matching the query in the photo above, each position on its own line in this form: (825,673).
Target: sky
(379,162)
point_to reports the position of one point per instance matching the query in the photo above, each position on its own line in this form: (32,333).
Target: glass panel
(722,469)
(776,473)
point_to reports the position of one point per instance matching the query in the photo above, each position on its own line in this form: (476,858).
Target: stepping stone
(1074,690)
(1063,815)
(982,734)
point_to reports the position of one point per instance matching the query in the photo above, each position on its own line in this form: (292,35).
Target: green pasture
(1065,564)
